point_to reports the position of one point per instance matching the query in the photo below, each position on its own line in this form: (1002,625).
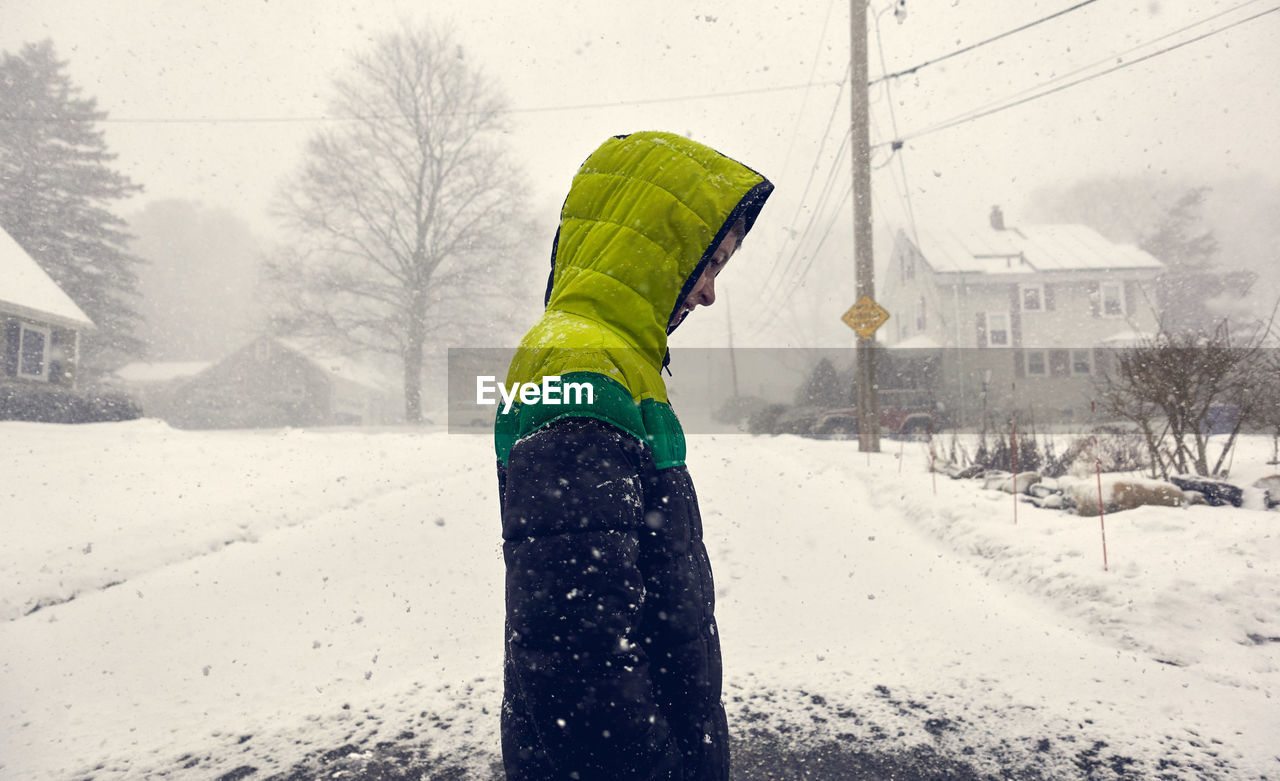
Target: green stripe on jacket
(653,423)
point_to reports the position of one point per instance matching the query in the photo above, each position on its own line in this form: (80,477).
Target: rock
(1040,491)
(1126,494)
(1050,483)
(1194,497)
(1052,501)
(994,478)
(1023,482)
(1270,486)
(1269,483)
(969,472)
(1217,493)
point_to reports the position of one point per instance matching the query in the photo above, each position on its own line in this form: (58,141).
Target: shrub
(54,404)
(1114,448)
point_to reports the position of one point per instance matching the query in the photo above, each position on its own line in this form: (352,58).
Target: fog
(1127,105)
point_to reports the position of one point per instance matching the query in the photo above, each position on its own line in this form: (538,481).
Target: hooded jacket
(612,658)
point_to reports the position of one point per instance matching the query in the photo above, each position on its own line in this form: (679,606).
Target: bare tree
(1172,385)
(1266,414)
(407,211)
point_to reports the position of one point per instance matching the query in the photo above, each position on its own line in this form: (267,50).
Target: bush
(54,404)
(1114,448)
(762,421)
(739,408)
(997,453)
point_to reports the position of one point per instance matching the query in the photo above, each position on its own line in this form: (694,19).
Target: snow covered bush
(52,404)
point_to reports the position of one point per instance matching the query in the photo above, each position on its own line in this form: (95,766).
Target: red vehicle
(912,414)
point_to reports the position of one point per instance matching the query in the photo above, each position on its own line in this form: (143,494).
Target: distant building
(268,383)
(40,324)
(154,385)
(1023,317)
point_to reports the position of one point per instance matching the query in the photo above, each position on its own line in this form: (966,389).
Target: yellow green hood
(643,216)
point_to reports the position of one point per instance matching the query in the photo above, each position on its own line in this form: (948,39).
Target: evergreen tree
(822,388)
(1192,279)
(57,188)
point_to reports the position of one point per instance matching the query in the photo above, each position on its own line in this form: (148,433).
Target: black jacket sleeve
(579,699)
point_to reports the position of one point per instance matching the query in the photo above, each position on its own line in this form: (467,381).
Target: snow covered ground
(206,603)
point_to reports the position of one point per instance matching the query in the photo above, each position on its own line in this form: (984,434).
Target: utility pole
(864,264)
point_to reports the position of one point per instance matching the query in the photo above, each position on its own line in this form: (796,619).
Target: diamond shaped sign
(865,317)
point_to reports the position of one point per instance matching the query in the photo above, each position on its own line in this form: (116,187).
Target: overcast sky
(213,101)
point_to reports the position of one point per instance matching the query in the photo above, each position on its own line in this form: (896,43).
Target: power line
(786,160)
(364,118)
(773,294)
(963,118)
(893,119)
(1109,58)
(812,171)
(973,46)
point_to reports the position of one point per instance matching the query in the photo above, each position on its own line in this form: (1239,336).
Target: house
(1023,317)
(268,383)
(154,385)
(41,325)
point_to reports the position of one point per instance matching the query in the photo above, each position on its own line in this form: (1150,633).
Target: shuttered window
(1036,365)
(998,329)
(1032,298)
(33,352)
(1112,299)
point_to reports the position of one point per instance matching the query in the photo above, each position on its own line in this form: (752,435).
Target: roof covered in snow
(340,366)
(26,290)
(141,372)
(1028,250)
(917,342)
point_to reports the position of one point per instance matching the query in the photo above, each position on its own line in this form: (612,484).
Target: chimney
(997,218)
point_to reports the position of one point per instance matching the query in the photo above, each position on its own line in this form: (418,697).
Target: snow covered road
(279,595)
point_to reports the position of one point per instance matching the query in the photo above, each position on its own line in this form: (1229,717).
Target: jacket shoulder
(590,395)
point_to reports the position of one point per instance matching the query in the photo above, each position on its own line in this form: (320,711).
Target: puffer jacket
(612,660)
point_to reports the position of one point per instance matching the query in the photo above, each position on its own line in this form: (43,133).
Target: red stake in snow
(933,472)
(1015,458)
(1097,462)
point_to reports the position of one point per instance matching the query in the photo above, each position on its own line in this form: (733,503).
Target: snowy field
(258,604)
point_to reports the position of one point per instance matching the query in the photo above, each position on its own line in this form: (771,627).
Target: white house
(39,323)
(1025,316)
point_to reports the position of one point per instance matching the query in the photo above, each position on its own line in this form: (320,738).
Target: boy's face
(704,291)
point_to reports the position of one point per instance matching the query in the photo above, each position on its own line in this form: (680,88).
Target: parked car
(911,414)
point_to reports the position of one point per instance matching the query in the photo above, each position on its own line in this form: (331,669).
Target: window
(33,352)
(1059,363)
(1112,299)
(1036,366)
(921,320)
(1081,362)
(998,329)
(1032,298)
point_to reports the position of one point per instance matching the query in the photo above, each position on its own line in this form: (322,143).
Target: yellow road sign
(865,317)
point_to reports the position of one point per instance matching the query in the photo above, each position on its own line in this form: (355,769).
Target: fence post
(1015,453)
(932,471)
(1097,463)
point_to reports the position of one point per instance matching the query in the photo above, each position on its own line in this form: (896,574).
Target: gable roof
(337,365)
(26,290)
(1028,250)
(144,372)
